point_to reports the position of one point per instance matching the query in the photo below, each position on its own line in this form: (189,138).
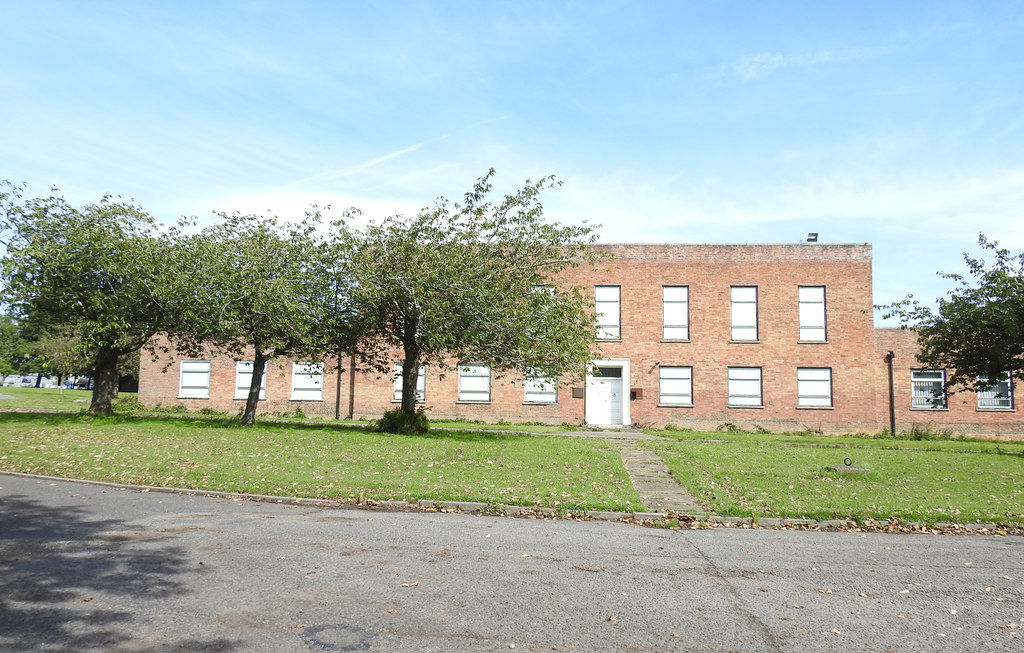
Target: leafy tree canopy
(977,330)
(100,271)
(263,289)
(471,282)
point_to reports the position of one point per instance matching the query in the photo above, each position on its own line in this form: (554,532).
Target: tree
(264,289)
(977,331)
(101,271)
(473,282)
(13,347)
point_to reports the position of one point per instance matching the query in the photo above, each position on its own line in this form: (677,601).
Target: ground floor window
(474,383)
(998,394)
(745,386)
(814,387)
(421,383)
(927,389)
(194,380)
(675,385)
(540,390)
(243,379)
(308,381)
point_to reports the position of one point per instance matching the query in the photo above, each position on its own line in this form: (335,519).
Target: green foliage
(128,405)
(264,289)
(474,282)
(398,421)
(977,330)
(99,274)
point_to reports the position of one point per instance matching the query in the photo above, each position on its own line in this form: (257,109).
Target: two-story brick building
(772,336)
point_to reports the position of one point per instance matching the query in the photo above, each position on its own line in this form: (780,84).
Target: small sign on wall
(578,393)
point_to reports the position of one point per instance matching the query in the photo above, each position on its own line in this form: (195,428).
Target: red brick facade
(830,380)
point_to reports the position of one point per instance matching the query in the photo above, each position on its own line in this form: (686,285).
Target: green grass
(47,398)
(764,475)
(320,461)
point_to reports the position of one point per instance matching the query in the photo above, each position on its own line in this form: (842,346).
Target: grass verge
(908,480)
(320,461)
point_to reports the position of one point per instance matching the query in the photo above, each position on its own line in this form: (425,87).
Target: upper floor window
(194,380)
(675,385)
(308,381)
(998,394)
(243,379)
(540,390)
(745,386)
(811,301)
(814,387)
(744,313)
(398,383)
(675,310)
(606,312)
(474,383)
(927,388)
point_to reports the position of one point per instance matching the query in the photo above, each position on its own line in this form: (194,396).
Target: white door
(604,397)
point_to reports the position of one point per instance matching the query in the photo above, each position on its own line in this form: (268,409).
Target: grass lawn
(47,398)
(762,475)
(320,461)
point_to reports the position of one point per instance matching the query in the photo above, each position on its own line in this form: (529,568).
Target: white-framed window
(745,386)
(998,394)
(744,313)
(398,383)
(308,381)
(606,312)
(243,379)
(540,390)
(474,383)
(927,388)
(811,307)
(675,311)
(194,380)
(814,387)
(675,385)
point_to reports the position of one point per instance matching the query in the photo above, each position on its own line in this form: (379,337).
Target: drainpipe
(352,386)
(337,390)
(892,397)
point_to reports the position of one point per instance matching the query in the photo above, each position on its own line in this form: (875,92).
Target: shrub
(128,405)
(397,421)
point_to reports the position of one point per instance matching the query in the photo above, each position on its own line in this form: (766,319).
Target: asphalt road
(93,568)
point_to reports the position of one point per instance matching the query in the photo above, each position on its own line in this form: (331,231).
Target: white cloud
(760,64)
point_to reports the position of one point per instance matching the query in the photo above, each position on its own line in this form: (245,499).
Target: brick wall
(854,352)
(960,416)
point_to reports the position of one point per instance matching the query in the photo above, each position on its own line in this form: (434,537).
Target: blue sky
(900,124)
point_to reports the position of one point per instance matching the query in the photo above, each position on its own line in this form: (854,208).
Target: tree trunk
(104,382)
(259,364)
(410,375)
(410,367)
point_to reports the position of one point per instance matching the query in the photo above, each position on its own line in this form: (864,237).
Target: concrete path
(650,475)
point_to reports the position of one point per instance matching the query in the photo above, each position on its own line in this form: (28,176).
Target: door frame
(624,395)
